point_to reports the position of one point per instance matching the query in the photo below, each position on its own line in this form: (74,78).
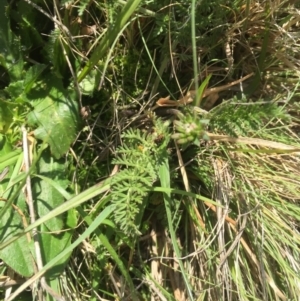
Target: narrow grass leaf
(95,224)
(111,34)
(164,176)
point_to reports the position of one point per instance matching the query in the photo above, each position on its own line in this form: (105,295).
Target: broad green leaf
(60,55)
(60,65)
(12,185)
(95,224)
(88,83)
(30,24)
(5,148)
(46,196)
(15,88)
(52,240)
(10,53)
(53,235)
(53,244)
(55,114)
(71,203)
(11,160)
(32,75)
(6,117)
(18,89)
(15,255)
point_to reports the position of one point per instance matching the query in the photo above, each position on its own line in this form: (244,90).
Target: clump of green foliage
(140,156)
(204,205)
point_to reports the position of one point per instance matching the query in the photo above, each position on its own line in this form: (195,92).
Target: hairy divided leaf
(239,118)
(141,153)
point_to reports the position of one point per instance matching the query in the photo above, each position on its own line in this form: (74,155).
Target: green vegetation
(149,150)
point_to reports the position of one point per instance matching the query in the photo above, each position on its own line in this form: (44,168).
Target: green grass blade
(109,37)
(95,224)
(120,264)
(201,90)
(194,43)
(89,220)
(9,194)
(164,175)
(72,203)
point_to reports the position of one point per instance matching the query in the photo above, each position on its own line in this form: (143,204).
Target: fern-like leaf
(241,118)
(140,154)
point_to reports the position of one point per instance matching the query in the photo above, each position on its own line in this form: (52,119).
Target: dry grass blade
(275,147)
(3,173)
